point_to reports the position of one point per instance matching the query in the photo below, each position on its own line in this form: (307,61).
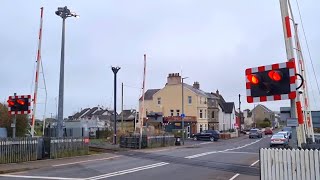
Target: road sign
(13,125)
(292,122)
(183,115)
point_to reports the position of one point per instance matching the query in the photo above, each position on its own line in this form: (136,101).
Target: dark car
(255,133)
(211,135)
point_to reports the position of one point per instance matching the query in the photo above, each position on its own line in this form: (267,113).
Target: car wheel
(271,145)
(211,139)
(195,138)
(215,139)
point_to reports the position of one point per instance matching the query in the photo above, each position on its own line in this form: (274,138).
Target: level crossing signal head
(19,104)
(271,82)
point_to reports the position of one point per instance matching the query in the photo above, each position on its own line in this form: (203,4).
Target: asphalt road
(223,160)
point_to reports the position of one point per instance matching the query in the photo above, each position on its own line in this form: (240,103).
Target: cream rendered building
(168,101)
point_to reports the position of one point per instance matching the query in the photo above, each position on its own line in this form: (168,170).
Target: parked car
(285,133)
(289,129)
(255,133)
(268,131)
(279,139)
(212,135)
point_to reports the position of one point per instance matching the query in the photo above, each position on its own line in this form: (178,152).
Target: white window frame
(200,113)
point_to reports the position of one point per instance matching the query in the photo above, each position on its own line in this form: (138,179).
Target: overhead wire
(308,73)
(308,49)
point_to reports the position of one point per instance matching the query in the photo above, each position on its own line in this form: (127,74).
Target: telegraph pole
(122,106)
(143,91)
(240,115)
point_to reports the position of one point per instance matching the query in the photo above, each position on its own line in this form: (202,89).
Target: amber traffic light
(253,79)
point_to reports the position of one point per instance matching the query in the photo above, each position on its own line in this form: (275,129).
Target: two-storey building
(201,109)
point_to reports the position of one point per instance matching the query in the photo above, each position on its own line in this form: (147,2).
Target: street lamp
(115,71)
(182,110)
(64,13)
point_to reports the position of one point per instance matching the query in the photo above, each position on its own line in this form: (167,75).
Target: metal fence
(15,150)
(147,141)
(160,141)
(67,147)
(283,164)
(67,132)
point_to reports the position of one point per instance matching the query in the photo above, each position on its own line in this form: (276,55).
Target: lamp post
(182,109)
(115,71)
(64,13)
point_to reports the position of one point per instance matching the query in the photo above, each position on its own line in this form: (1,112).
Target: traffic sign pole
(14,122)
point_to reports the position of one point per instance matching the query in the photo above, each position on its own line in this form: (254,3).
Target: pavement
(233,159)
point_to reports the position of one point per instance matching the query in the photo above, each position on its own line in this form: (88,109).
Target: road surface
(234,159)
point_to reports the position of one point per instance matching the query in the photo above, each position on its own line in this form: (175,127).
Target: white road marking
(236,152)
(112,157)
(213,152)
(118,173)
(254,163)
(204,143)
(37,177)
(234,177)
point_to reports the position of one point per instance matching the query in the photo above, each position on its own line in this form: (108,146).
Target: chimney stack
(173,78)
(196,85)
(217,91)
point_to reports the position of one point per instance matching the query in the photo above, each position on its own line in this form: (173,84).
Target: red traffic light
(275,75)
(21,102)
(10,103)
(254,79)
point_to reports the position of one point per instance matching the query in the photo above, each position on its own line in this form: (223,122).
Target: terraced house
(202,110)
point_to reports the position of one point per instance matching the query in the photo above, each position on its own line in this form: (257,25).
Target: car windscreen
(253,131)
(277,137)
(283,132)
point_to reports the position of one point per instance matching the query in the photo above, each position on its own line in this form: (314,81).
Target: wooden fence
(283,164)
(18,150)
(67,147)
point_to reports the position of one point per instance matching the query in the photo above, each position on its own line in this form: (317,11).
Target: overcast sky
(212,41)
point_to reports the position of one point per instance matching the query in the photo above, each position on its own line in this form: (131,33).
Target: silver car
(255,133)
(279,139)
(285,133)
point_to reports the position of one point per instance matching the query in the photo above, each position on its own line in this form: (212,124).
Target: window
(159,100)
(205,113)
(189,100)
(212,114)
(171,112)
(200,113)
(200,100)
(201,128)
(178,112)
